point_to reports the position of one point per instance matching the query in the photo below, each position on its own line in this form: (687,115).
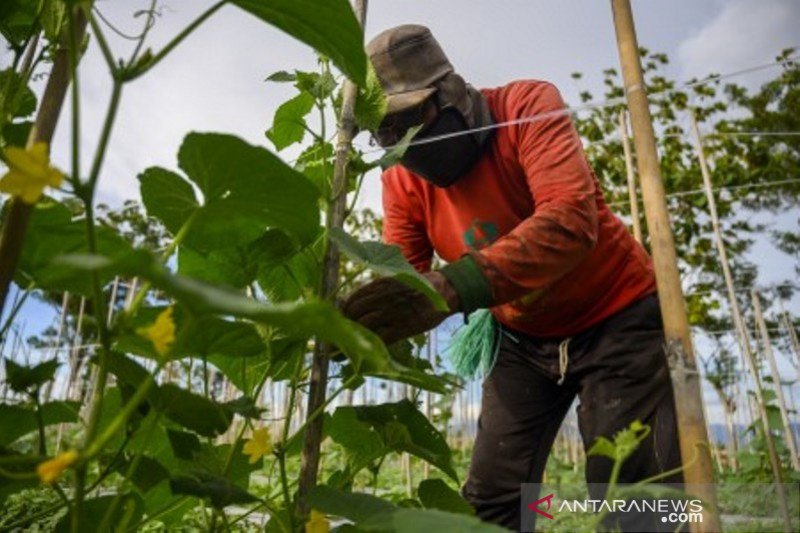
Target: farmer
(503,193)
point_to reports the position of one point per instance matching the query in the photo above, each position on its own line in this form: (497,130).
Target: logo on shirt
(481,234)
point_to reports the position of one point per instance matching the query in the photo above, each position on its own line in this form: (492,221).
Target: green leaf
(147,473)
(367,354)
(362,442)
(395,153)
(239,183)
(17,421)
(184,445)
(318,85)
(289,124)
(405,429)
(194,412)
(371,104)
(127,513)
(436,494)
(168,197)
(604,447)
(281,76)
(353,506)
(237,266)
(196,336)
(16,98)
(415,520)
(28,378)
(386,260)
(371,513)
(18,20)
(219,490)
(53,18)
(52,232)
(328,26)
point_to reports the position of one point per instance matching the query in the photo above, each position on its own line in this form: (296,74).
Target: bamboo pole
(630,173)
(309,460)
(787,323)
(695,450)
(776,379)
(13,231)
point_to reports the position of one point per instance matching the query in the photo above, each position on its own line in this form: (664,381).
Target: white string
(724,188)
(585,107)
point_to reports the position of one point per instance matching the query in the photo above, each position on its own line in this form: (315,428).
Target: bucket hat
(408,61)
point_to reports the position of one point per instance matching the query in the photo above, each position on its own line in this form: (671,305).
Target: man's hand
(395,311)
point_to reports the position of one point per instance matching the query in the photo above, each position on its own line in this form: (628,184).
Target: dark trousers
(619,371)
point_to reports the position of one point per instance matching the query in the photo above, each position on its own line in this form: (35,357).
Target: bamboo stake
(776,379)
(16,223)
(695,450)
(632,196)
(426,469)
(312,440)
(57,342)
(787,323)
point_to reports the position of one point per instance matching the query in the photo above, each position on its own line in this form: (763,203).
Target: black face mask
(444,161)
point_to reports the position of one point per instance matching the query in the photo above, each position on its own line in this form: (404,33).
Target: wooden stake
(15,225)
(787,323)
(695,450)
(776,379)
(632,196)
(309,460)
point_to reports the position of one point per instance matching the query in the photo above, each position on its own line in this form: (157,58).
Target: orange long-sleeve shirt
(531,216)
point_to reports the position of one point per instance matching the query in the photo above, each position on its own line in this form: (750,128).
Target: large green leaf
(27,378)
(367,354)
(361,441)
(436,494)
(370,513)
(404,428)
(289,124)
(219,490)
(246,190)
(17,421)
(18,20)
(167,196)
(194,412)
(52,232)
(354,506)
(237,266)
(329,26)
(196,336)
(386,260)
(128,511)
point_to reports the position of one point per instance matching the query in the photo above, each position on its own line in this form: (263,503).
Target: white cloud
(744,33)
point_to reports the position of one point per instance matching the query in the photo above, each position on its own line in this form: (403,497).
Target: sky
(214,81)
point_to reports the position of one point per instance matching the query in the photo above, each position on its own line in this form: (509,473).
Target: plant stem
(40,423)
(135,73)
(321,409)
(122,417)
(103,43)
(138,299)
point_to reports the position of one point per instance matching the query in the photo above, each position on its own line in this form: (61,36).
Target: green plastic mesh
(473,348)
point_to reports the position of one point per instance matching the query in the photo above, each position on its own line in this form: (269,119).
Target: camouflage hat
(408,61)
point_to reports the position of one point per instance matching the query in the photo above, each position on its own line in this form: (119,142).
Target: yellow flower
(29,172)
(317,523)
(258,445)
(161,332)
(49,471)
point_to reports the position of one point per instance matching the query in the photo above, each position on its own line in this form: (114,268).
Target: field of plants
(200,376)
